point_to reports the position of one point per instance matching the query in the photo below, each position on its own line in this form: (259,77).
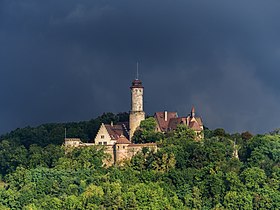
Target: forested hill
(36,173)
(53,133)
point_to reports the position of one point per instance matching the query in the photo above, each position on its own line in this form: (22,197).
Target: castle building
(168,121)
(117,139)
(109,134)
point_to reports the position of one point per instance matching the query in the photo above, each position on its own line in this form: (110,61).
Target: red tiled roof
(115,131)
(160,118)
(195,126)
(123,140)
(199,121)
(173,121)
(176,121)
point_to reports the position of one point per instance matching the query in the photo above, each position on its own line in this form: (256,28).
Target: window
(123,147)
(102,136)
(100,143)
(105,142)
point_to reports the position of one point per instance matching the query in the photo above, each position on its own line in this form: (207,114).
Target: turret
(192,112)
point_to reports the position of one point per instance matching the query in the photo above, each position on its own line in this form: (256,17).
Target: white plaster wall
(103,132)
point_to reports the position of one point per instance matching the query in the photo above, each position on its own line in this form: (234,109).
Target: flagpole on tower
(137,70)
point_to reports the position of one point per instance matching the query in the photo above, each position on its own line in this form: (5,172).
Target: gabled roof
(163,121)
(193,124)
(176,121)
(116,131)
(168,121)
(199,121)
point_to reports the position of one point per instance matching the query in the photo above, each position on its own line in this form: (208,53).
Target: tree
(246,135)
(11,156)
(146,133)
(85,157)
(262,151)
(238,200)
(253,178)
(92,195)
(220,132)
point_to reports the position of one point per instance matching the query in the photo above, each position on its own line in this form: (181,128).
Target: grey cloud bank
(73,60)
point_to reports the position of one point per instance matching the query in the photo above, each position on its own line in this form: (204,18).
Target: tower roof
(137,84)
(123,140)
(193,109)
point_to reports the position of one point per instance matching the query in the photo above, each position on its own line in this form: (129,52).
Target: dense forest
(37,173)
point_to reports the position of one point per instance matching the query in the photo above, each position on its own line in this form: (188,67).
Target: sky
(72,60)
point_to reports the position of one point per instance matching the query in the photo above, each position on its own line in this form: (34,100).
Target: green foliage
(80,158)
(246,135)
(11,156)
(53,133)
(262,151)
(238,200)
(183,173)
(147,132)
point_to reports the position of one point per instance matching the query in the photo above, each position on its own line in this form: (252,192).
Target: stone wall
(135,118)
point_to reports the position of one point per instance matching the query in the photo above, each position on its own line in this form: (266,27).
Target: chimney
(165,115)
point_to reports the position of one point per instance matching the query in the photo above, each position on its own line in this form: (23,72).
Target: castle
(117,138)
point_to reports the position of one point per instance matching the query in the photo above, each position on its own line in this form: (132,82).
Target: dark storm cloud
(72,60)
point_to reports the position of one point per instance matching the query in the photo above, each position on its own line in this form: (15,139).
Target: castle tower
(136,114)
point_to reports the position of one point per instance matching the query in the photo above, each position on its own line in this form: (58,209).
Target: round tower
(136,114)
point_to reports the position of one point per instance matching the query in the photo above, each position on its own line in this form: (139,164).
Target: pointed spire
(193,112)
(137,83)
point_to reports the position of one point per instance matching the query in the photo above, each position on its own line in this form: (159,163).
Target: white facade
(103,137)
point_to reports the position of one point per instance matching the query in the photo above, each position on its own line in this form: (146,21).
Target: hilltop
(183,174)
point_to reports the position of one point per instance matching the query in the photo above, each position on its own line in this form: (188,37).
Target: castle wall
(135,148)
(117,153)
(72,142)
(109,149)
(121,152)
